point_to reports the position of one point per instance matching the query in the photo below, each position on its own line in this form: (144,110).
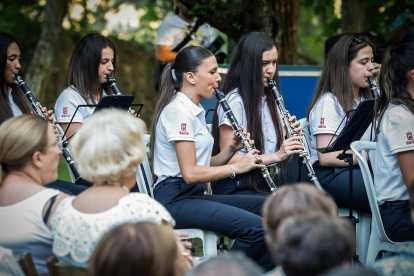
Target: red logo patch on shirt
(184,129)
(322,125)
(410,138)
(65,112)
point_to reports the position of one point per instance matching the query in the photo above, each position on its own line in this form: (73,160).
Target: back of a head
(312,244)
(109,146)
(232,264)
(20,138)
(350,271)
(144,248)
(289,200)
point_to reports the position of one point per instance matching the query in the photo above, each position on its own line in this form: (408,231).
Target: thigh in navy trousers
(237,217)
(235,186)
(335,181)
(396,218)
(67,187)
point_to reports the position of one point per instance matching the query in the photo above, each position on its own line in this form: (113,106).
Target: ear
(37,160)
(191,78)
(412,75)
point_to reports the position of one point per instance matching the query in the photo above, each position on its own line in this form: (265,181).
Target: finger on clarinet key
(293,119)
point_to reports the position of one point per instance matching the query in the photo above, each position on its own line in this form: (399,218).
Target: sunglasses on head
(361,39)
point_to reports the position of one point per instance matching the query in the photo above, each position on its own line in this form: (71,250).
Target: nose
(218,79)
(110,66)
(17,64)
(271,69)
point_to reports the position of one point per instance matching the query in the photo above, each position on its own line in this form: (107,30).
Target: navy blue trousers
(237,217)
(335,181)
(67,187)
(235,186)
(396,218)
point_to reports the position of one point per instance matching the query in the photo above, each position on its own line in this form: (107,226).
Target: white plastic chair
(145,181)
(363,227)
(379,241)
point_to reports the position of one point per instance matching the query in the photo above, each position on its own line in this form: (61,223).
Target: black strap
(52,201)
(188,37)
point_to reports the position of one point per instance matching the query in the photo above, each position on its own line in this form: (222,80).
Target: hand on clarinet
(290,146)
(296,125)
(249,162)
(49,116)
(134,113)
(235,143)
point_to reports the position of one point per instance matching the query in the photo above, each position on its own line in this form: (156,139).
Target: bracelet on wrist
(233,175)
(409,22)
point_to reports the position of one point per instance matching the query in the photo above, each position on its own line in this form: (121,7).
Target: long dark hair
(5,110)
(335,76)
(245,74)
(187,60)
(84,64)
(395,68)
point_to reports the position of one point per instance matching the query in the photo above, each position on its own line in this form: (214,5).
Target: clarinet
(374,87)
(37,109)
(115,89)
(238,130)
(290,133)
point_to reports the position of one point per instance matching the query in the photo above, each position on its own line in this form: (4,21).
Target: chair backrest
(304,123)
(57,269)
(144,174)
(360,148)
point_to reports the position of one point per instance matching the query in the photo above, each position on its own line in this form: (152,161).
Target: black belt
(166,181)
(389,204)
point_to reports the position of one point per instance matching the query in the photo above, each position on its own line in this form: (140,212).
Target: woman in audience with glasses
(12,99)
(29,157)
(393,171)
(342,86)
(108,156)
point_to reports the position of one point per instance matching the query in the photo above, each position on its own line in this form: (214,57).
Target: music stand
(123,106)
(353,130)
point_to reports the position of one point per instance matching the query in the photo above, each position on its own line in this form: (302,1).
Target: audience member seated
(231,264)
(107,150)
(144,248)
(292,200)
(311,244)
(29,157)
(402,263)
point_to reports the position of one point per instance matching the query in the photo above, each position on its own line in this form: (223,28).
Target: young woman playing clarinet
(12,102)
(92,60)
(342,85)
(393,171)
(253,104)
(181,158)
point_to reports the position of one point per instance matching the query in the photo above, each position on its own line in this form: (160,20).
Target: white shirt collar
(195,109)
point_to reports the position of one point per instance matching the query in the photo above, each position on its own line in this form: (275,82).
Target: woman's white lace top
(76,234)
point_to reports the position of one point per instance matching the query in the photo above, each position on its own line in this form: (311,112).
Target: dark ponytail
(187,60)
(394,78)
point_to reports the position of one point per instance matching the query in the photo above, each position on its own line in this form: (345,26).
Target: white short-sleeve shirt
(396,135)
(67,103)
(174,29)
(236,104)
(15,109)
(325,118)
(181,120)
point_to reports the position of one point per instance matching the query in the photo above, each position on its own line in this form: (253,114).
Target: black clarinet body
(115,89)
(373,87)
(37,109)
(290,133)
(238,130)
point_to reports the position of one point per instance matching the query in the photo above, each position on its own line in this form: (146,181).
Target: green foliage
(237,25)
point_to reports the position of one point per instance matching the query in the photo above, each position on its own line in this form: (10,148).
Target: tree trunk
(287,14)
(39,70)
(353,16)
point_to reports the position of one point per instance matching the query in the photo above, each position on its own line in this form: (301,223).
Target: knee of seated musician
(67,187)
